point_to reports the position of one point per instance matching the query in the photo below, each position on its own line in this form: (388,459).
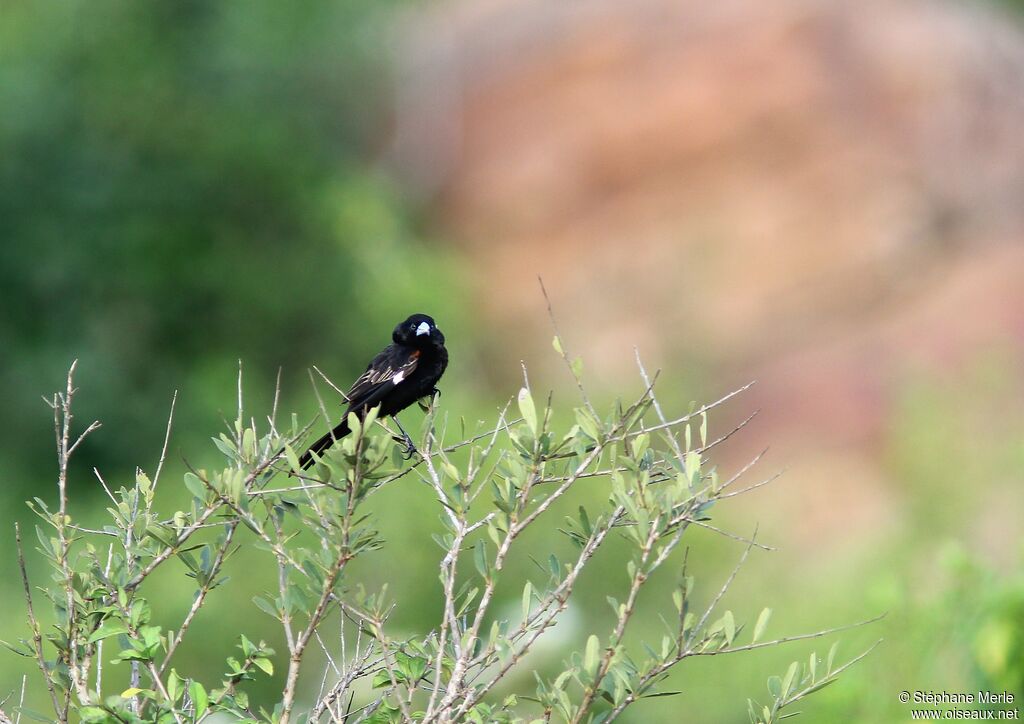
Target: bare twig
(33,622)
(167,440)
(563,353)
(725,587)
(788,639)
(62,417)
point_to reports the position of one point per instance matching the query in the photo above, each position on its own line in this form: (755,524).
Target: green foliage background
(183,185)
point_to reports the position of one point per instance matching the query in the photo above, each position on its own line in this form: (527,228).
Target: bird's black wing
(386,371)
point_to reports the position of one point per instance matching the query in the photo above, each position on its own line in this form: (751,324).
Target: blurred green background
(186,185)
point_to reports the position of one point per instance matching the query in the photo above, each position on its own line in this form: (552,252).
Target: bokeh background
(824,196)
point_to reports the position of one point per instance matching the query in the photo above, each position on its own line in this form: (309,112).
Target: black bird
(405,371)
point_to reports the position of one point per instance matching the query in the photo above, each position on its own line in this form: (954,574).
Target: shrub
(655,483)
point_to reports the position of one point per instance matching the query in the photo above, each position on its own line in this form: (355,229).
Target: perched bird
(405,371)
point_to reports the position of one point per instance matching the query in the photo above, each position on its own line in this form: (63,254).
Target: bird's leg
(410,448)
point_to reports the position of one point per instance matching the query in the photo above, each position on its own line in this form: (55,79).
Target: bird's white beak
(424,328)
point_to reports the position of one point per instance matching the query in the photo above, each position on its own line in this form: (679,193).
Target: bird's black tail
(318,447)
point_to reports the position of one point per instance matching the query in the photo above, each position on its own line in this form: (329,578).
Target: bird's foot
(410,448)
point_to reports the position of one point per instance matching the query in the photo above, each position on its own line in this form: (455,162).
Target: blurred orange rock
(819,194)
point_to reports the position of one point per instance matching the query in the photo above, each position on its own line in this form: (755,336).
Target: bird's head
(418,330)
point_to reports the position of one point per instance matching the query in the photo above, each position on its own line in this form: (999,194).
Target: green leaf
(640,444)
(480,558)
(265,665)
(140,613)
(145,485)
(248,441)
(199,698)
(761,625)
(195,485)
(293,459)
(110,627)
(493,532)
(226,446)
(587,424)
(451,471)
(789,679)
(527,409)
(559,683)
(527,594)
(129,693)
(661,693)
(93,714)
(557,344)
(265,606)
(831,657)
(821,685)
(174,688)
(354,425)
(692,462)
(591,654)
(371,416)
(585,525)
(22,650)
(729,626)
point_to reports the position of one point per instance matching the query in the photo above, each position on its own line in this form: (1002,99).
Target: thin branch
(344,395)
(657,408)
(21,699)
(167,440)
(563,353)
(789,639)
(749,488)
(727,534)
(696,413)
(736,428)
(725,587)
(62,417)
(33,622)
